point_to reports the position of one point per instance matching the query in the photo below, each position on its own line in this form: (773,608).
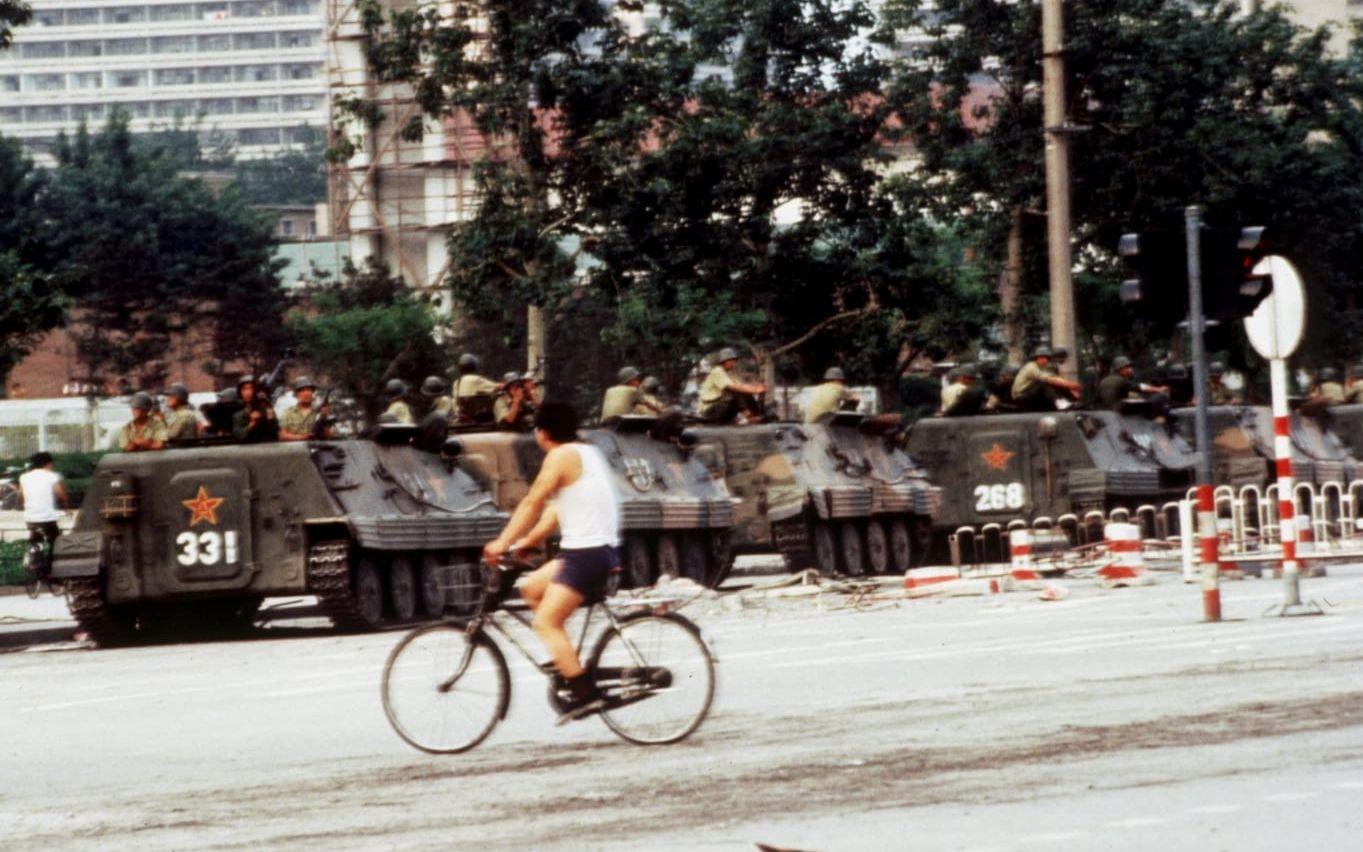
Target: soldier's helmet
(834,374)
(468,362)
(395,388)
(1178,372)
(245,380)
(227,395)
(510,377)
(432,386)
(1042,352)
(1329,374)
(1216,368)
(1121,362)
(1060,353)
(141,400)
(651,384)
(303,382)
(178,391)
(626,375)
(726,354)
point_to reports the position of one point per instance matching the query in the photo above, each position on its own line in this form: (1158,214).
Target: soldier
(473,394)
(256,421)
(722,398)
(219,414)
(625,396)
(1001,391)
(396,391)
(649,401)
(828,397)
(1059,355)
(1353,389)
(514,407)
(1329,388)
(962,398)
(433,389)
(1121,385)
(1036,388)
(299,421)
(1220,394)
(182,424)
(143,432)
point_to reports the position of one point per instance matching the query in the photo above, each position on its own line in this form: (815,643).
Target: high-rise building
(249,70)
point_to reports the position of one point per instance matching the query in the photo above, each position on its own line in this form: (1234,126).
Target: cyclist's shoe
(579,699)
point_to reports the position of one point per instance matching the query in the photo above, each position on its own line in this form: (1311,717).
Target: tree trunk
(1010,285)
(536,342)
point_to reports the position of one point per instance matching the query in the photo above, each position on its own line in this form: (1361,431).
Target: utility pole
(1058,182)
(1206,503)
(535,342)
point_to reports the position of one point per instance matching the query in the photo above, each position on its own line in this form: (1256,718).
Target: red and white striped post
(1208,546)
(1282,452)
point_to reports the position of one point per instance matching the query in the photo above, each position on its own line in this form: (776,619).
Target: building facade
(249,71)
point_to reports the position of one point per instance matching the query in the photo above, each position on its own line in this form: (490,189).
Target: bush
(12,563)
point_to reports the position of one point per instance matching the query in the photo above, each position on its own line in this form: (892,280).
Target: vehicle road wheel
(369,592)
(435,578)
(825,549)
(638,567)
(901,551)
(721,558)
(693,557)
(877,548)
(402,588)
(669,556)
(853,554)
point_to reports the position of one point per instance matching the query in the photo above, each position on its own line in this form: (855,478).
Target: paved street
(1110,720)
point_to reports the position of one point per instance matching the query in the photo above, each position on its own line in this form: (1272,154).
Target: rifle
(324,420)
(270,386)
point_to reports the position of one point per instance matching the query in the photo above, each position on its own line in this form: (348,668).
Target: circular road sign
(1276,326)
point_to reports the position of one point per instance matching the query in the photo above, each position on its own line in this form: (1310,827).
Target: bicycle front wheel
(444,692)
(657,676)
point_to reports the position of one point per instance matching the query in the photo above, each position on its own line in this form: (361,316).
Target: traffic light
(1157,285)
(1230,288)
(1158,262)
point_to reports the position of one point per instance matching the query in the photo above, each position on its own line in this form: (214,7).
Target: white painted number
(997,498)
(207,548)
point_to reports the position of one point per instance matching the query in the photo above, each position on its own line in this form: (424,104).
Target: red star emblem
(204,507)
(997,457)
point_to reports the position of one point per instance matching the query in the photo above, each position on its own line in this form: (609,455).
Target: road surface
(1114,719)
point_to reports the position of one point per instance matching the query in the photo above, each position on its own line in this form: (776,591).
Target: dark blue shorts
(585,570)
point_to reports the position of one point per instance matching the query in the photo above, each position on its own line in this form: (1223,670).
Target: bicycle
(11,496)
(651,665)
(38,563)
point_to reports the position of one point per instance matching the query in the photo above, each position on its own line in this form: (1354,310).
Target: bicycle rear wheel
(442,692)
(658,678)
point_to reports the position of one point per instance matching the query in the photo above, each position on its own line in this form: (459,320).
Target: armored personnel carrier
(1345,423)
(837,495)
(995,468)
(1242,444)
(379,531)
(675,515)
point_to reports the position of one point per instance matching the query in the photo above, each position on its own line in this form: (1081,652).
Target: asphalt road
(1110,720)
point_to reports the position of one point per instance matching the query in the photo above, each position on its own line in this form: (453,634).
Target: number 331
(206,548)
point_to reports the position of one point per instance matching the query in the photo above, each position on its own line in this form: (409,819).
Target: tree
(13,13)
(146,254)
(364,328)
(1183,103)
(30,305)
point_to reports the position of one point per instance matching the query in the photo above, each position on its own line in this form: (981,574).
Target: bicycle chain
(329,580)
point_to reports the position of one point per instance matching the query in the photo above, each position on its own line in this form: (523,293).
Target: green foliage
(364,328)
(13,13)
(29,303)
(12,563)
(295,176)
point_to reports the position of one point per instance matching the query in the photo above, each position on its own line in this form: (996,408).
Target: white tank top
(588,513)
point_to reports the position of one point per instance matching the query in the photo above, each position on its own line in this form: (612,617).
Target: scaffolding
(395,199)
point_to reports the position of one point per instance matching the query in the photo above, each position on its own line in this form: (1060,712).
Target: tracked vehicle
(1001,467)
(1242,444)
(838,496)
(379,531)
(675,515)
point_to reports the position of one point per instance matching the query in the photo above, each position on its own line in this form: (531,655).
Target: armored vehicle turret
(836,495)
(1242,444)
(997,468)
(379,531)
(675,515)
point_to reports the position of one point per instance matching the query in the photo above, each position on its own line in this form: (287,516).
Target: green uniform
(150,430)
(825,399)
(712,390)
(401,411)
(1332,393)
(648,404)
(298,420)
(1221,395)
(1030,389)
(444,406)
(182,424)
(1115,388)
(266,428)
(619,401)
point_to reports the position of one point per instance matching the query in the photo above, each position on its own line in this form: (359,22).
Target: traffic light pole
(1058,182)
(1206,503)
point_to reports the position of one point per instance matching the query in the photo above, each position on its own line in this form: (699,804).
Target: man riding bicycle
(572,492)
(41,489)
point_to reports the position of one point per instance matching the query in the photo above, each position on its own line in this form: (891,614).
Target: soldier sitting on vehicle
(299,421)
(143,432)
(1328,389)
(963,397)
(396,394)
(1180,385)
(514,407)
(722,399)
(1121,385)
(438,402)
(473,394)
(626,397)
(1220,394)
(1037,389)
(1353,388)
(828,398)
(1000,399)
(219,413)
(256,421)
(649,400)
(182,423)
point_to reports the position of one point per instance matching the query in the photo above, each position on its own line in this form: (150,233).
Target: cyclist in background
(573,491)
(41,489)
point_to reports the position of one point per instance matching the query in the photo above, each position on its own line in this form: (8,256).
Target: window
(125,15)
(87,80)
(247,105)
(175,77)
(9,82)
(11,115)
(43,50)
(45,113)
(253,9)
(173,13)
(215,106)
(88,112)
(211,43)
(300,103)
(50,17)
(301,72)
(286,227)
(125,46)
(44,82)
(253,41)
(259,136)
(220,74)
(85,48)
(173,44)
(214,11)
(173,109)
(297,7)
(82,17)
(127,79)
(256,73)
(296,40)
(137,109)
